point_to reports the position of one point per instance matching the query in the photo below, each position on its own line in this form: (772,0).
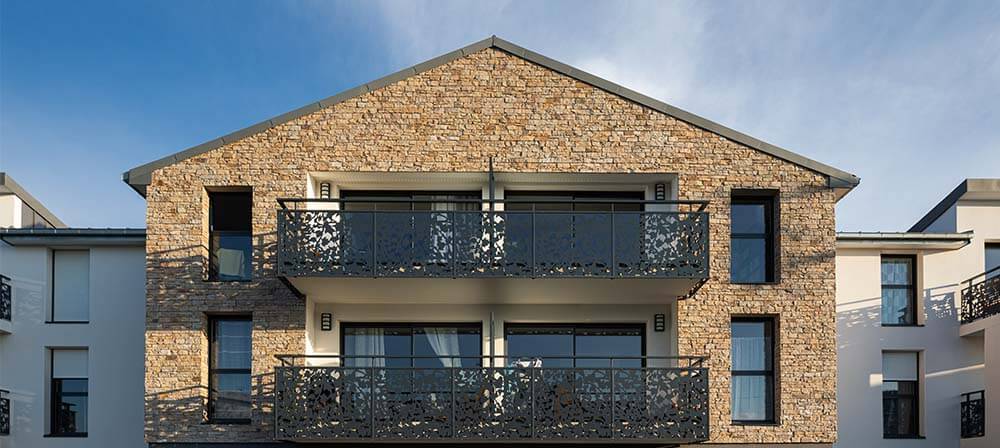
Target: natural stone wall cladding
(452,118)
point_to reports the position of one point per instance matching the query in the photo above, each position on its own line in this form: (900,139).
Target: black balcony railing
(672,243)
(973,414)
(5,298)
(981,299)
(663,401)
(4,413)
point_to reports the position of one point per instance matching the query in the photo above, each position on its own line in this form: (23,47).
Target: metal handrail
(702,204)
(984,274)
(693,361)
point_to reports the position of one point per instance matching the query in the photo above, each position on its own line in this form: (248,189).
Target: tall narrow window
(69,392)
(229,369)
(898,292)
(753,370)
(753,249)
(70,286)
(230,242)
(900,384)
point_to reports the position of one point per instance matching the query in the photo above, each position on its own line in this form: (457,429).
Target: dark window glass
(230,241)
(431,345)
(899,408)
(574,345)
(898,293)
(69,406)
(570,197)
(446,200)
(752,391)
(229,369)
(992,260)
(753,251)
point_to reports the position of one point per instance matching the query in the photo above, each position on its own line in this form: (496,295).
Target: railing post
(371,400)
(531,384)
(613,402)
(452,401)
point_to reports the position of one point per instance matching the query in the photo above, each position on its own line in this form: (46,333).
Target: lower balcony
(6,304)
(659,401)
(4,413)
(981,299)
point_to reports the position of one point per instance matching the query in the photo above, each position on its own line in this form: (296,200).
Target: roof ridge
(139,177)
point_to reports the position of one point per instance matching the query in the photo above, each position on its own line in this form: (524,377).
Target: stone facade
(452,119)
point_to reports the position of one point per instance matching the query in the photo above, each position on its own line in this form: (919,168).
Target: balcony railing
(660,400)
(672,243)
(973,414)
(5,298)
(981,299)
(4,413)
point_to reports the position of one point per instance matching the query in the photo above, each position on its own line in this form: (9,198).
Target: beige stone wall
(452,118)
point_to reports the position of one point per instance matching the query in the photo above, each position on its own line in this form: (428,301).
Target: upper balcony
(635,239)
(981,299)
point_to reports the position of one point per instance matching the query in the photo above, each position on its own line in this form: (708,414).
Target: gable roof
(139,177)
(988,189)
(8,186)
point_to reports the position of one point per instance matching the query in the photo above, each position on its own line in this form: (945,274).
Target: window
(229,369)
(992,260)
(570,197)
(753,370)
(70,286)
(900,384)
(230,242)
(898,292)
(558,345)
(753,250)
(394,345)
(406,199)
(69,392)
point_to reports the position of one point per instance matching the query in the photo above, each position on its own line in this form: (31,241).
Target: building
(490,246)
(71,329)
(918,321)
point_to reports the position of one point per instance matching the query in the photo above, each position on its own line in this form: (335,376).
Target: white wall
(114,338)
(10,211)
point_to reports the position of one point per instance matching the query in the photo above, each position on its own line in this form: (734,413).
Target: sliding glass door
(572,345)
(412,345)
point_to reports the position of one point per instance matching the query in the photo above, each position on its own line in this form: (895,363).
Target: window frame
(912,286)
(771,399)
(51,315)
(478,326)
(212,341)
(769,199)
(213,274)
(915,418)
(641,326)
(54,397)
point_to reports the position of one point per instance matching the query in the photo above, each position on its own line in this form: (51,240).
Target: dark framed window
(753,227)
(429,345)
(231,236)
(406,199)
(69,392)
(753,363)
(992,251)
(900,395)
(570,197)
(575,345)
(899,280)
(230,360)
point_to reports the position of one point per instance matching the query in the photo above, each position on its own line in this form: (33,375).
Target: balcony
(668,240)
(4,413)
(973,414)
(665,401)
(6,303)
(981,299)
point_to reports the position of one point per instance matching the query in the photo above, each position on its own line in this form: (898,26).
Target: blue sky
(904,94)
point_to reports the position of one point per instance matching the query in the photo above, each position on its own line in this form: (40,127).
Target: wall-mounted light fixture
(324,190)
(660,192)
(659,323)
(326,321)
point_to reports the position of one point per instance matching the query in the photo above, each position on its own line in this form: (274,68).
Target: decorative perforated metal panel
(493,244)
(4,416)
(649,405)
(5,298)
(973,414)
(981,300)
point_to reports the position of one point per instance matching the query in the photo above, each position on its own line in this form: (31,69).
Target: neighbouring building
(71,329)
(490,246)
(918,322)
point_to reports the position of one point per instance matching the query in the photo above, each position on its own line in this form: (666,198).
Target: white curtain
(444,341)
(370,343)
(748,392)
